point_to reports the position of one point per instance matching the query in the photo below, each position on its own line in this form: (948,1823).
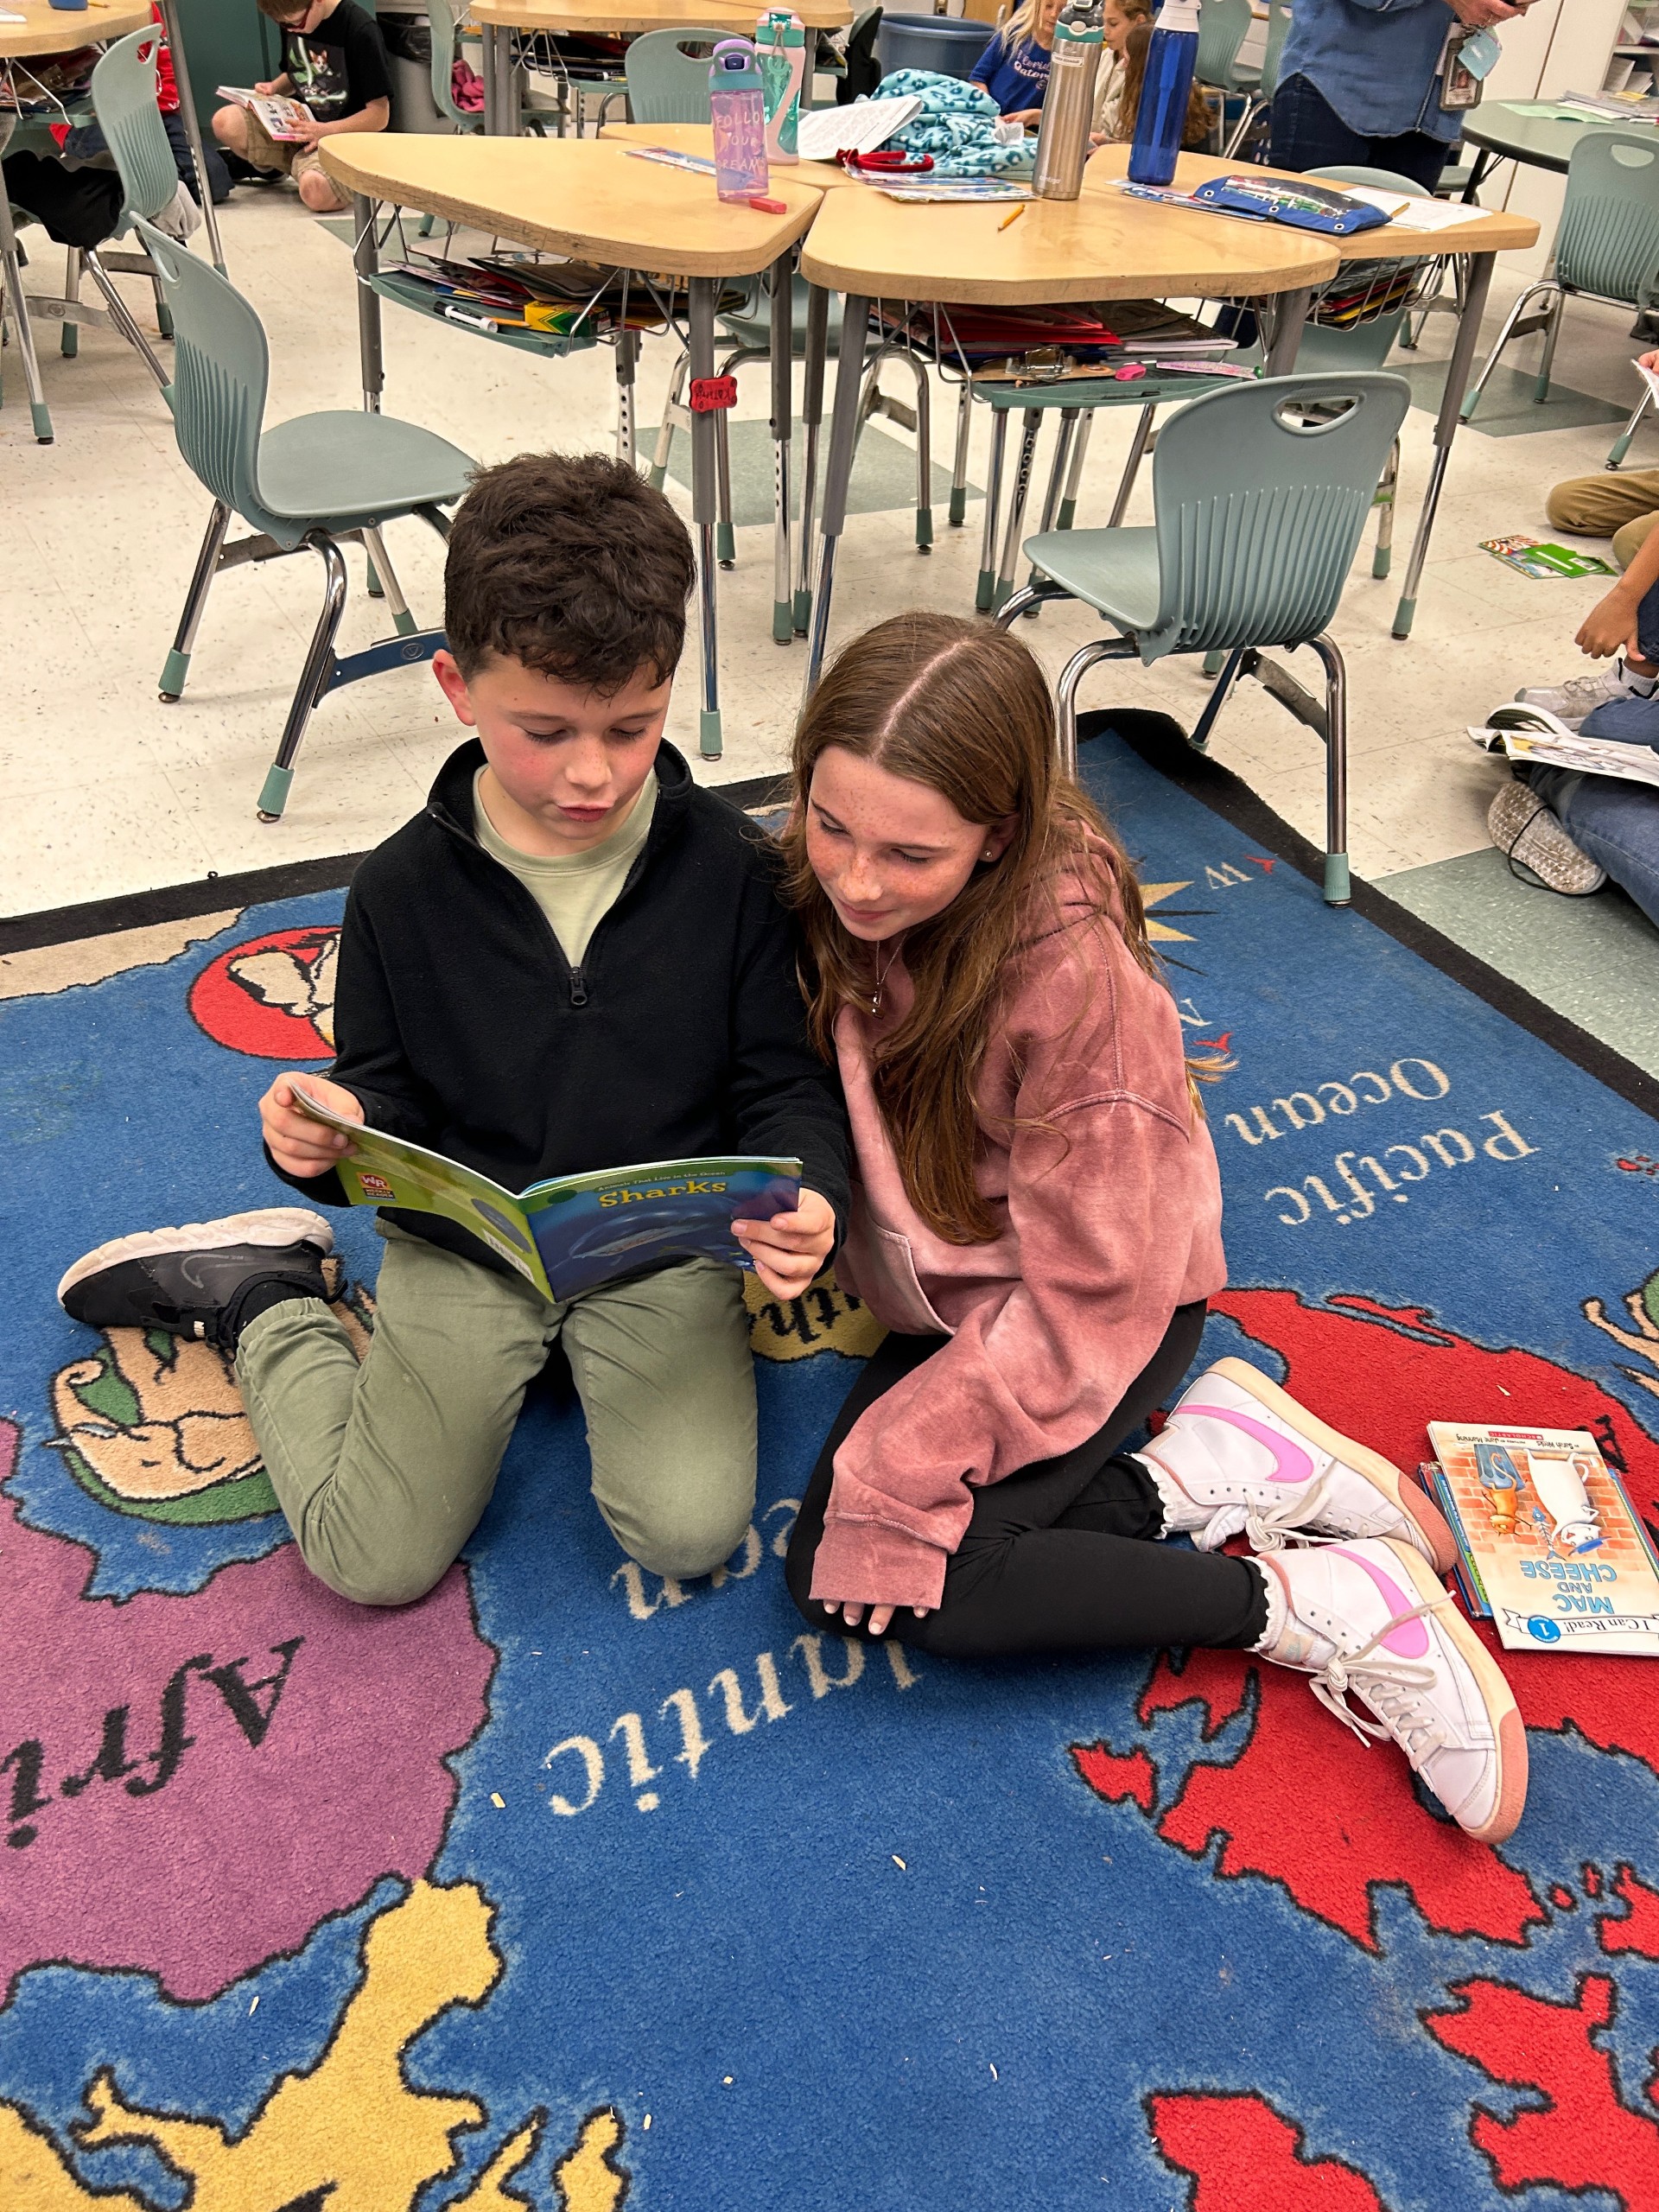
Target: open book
(1534,733)
(274,114)
(574,1232)
(858,128)
(1550,1549)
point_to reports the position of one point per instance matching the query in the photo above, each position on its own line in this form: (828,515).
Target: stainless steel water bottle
(1069,103)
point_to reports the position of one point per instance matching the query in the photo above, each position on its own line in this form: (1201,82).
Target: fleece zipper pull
(578,987)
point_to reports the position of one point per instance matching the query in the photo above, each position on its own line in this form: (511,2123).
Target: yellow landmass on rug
(351,2132)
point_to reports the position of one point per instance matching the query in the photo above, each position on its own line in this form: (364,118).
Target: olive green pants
(1620,505)
(384,1469)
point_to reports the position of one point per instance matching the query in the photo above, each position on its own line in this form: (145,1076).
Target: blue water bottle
(1166,90)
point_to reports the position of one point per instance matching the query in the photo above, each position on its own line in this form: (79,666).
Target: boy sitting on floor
(333,59)
(573,959)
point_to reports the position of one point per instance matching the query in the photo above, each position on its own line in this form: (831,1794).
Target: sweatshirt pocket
(912,1310)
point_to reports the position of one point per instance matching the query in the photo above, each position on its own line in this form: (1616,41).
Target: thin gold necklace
(881,974)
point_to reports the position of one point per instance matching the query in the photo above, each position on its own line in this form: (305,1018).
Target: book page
(859,128)
(591,1229)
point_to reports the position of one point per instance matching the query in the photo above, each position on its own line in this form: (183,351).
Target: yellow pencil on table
(1013,216)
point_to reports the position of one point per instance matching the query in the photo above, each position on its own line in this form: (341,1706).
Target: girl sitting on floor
(1013,68)
(1037,1220)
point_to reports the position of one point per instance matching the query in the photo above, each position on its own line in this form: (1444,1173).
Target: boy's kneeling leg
(663,1367)
(383,1471)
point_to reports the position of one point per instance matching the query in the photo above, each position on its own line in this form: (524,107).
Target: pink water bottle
(740,119)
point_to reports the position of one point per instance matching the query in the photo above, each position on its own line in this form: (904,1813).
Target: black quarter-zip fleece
(460,1024)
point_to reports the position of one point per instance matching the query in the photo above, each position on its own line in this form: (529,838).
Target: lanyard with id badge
(1466,58)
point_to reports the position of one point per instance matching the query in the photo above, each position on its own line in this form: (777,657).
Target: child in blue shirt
(1013,68)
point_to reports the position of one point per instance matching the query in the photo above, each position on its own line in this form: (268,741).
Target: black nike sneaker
(195,1281)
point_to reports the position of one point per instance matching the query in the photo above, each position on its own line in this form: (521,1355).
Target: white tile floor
(107,791)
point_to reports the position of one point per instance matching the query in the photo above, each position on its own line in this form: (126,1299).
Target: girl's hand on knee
(297,1144)
(879,1615)
(789,1251)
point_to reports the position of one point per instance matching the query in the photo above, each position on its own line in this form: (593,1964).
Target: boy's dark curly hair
(571,564)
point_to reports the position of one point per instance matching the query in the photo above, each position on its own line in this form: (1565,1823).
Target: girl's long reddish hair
(965,709)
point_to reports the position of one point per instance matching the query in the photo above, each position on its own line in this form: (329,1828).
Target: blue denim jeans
(1307,133)
(1616,823)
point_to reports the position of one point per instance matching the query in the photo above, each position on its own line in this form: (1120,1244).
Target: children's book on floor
(1550,1549)
(572,1233)
(1529,733)
(1537,557)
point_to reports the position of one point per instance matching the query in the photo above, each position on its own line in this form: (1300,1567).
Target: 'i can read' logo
(272,997)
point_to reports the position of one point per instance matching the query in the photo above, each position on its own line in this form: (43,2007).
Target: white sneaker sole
(1509,1734)
(276,1226)
(1408,1497)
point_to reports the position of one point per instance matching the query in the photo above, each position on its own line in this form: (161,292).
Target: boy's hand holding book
(299,1145)
(789,1249)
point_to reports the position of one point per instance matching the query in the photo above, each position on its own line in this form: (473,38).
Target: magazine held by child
(1551,1550)
(574,1232)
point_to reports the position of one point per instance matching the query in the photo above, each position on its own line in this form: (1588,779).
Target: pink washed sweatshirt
(1104,1228)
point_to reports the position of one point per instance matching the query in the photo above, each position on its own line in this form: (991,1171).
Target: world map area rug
(571,1886)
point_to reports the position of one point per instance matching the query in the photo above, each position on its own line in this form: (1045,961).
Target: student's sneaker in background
(196,1281)
(1239,1455)
(1581,695)
(1371,1621)
(1529,835)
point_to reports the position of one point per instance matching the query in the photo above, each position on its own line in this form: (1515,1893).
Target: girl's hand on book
(298,1145)
(791,1248)
(879,1615)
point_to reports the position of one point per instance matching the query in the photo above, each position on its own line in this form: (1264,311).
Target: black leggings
(1061,1556)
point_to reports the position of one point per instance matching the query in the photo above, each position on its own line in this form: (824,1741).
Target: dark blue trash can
(949,45)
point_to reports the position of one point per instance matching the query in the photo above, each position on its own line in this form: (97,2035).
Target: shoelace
(1268,1528)
(1392,1686)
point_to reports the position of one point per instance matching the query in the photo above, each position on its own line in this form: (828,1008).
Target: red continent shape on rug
(196,1782)
(1639,1928)
(1585,2136)
(1243,2157)
(1132,1775)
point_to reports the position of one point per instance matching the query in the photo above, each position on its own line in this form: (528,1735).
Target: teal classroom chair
(1224,25)
(1606,249)
(1259,85)
(123,101)
(1261,493)
(305,485)
(667,74)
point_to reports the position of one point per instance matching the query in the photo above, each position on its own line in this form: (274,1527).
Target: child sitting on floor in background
(1573,830)
(335,60)
(1036,1220)
(572,959)
(1013,68)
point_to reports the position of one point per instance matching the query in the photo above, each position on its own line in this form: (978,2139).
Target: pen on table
(1013,216)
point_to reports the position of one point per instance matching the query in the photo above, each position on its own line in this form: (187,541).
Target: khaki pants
(265,152)
(384,1470)
(1622,506)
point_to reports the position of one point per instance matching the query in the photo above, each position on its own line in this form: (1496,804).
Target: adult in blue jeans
(1359,84)
(1571,831)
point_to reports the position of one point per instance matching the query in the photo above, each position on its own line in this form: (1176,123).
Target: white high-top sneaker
(1369,1619)
(1237,1453)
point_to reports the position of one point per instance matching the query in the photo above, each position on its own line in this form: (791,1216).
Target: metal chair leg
(1059,471)
(812,371)
(1065,693)
(163,312)
(1472,399)
(1621,444)
(403,621)
(627,360)
(923,454)
(1138,444)
(1541,390)
(1337,888)
(314,679)
(1068,510)
(1018,497)
(658,470)
(177,666)
(782,307)
(1388,493)
(69,336)
(121,316)
(959,464)
(11,287)
(987,584)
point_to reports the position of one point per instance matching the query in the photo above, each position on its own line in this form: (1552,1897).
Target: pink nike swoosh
(1410,1639)
(1290,1462)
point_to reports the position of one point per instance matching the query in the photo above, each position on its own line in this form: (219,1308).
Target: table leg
(843,432)
(1445,429)
(817,349)
(365,256)
(1290,313)
(627,358)
(500,84)
(12,276)
(180,62)
(783,408)
(705,462)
